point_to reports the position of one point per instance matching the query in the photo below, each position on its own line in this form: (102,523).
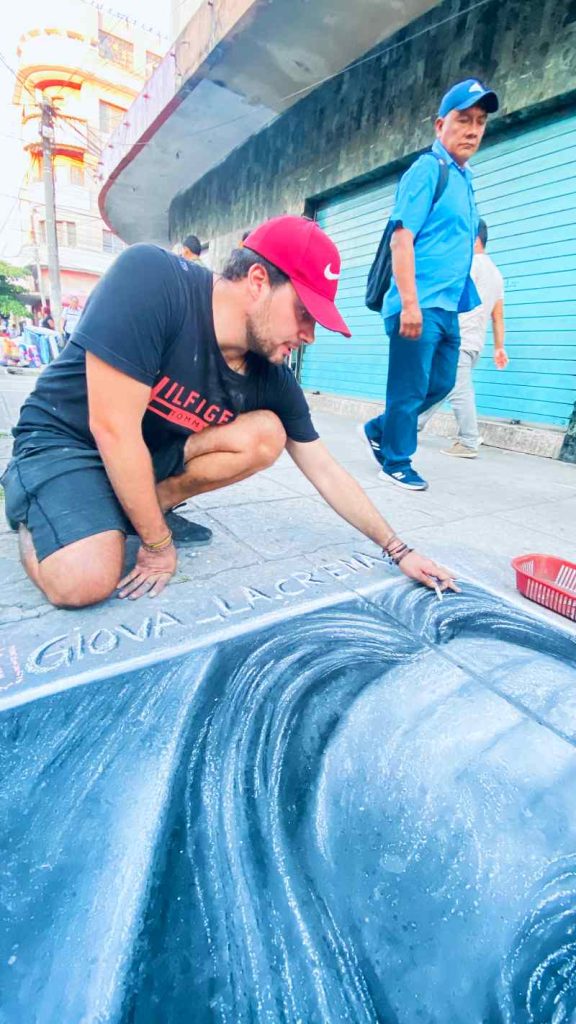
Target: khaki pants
(463,402)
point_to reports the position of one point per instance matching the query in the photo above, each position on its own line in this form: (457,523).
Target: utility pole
(47,136)
(39,280)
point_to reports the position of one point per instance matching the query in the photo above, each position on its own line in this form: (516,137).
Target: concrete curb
(529,440)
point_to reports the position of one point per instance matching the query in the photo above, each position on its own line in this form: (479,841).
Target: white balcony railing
(157,93)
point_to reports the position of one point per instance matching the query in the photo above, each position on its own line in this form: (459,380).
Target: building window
(115,49)
(110,242)
(110,117)
(152,62)
(65,232)
(76,174)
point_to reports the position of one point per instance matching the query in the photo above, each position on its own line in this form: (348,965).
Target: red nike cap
(309,258)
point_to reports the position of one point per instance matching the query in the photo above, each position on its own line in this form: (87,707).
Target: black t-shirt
(151,317)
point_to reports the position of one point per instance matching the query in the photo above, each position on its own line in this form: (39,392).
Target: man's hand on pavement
(152,572)
(411,321)
(501,358)
(424,570)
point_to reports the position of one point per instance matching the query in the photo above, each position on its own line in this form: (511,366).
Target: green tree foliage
(10,290)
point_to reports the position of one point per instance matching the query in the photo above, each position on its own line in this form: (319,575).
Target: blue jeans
(420,374)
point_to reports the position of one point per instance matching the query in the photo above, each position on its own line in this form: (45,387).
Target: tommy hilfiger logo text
(175,402)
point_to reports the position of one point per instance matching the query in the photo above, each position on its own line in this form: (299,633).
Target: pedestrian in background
(192,249)
(432,246)
(473,326)
(48,320)
(70,318)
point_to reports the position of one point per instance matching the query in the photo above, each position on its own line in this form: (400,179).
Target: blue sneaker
(372,436)
(407,478)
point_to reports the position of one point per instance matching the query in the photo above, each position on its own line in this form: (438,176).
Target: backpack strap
(443,172)
(380,272)
(441,183)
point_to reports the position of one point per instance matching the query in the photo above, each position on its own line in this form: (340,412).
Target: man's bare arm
(500,356)
(341,491)
(117,404)
(404,270)
(498,324)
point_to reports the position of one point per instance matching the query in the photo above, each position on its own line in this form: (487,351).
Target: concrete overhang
(237,66)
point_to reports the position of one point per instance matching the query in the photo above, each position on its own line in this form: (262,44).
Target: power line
(124,17)
(289,96)
(64,209)
(81,245)
(12,72)
(107,60)
(16,198)
(85,141)
(79,71)
(308,88)
(8,216)
(23,84)
(328,78)
(10,135)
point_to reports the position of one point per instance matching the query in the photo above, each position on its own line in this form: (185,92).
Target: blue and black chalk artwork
(366,814)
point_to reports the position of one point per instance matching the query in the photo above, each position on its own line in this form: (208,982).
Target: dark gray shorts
(63,494)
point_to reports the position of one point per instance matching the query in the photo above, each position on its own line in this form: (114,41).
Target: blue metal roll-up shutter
(526,190)
(357,366)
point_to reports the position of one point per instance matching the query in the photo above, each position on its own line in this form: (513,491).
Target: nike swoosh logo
(328,273)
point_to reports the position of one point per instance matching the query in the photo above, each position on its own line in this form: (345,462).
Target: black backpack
(380,274)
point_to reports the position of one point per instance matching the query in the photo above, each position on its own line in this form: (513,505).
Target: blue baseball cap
(470,93)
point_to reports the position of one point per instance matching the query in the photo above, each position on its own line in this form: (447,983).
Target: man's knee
(268,437)
(78,590)
(84,573)
(78,593)
(407,404)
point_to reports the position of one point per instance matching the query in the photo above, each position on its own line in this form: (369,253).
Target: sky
(18,18)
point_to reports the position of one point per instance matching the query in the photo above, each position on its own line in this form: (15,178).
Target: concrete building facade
(90,70)
(336,153)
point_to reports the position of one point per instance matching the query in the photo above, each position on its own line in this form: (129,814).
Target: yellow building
(90,70)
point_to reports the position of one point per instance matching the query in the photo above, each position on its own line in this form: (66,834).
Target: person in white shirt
(473,326)
(71,317)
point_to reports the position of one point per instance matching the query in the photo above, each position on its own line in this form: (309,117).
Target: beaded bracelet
(398,557)
(396,550)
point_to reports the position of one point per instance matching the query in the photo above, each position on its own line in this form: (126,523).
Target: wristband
(395,550)
(402,555)
(159,545)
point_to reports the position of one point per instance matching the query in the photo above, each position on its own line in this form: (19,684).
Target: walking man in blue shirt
(432,247)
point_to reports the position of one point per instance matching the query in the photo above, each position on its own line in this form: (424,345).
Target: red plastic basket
(549,581)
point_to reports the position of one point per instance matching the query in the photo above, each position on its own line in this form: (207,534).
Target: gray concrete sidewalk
(475,517)
(15,386)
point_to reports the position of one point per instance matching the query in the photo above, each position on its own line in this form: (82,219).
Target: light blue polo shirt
(444,236)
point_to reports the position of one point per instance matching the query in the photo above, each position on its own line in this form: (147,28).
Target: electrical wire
(8,216)
(313,85)
(84,138)
(327,78)
(289,96)
(64,209)
(79,71)
(23,84)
